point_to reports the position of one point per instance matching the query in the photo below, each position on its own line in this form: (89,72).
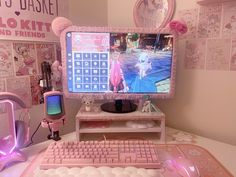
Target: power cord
(31,138)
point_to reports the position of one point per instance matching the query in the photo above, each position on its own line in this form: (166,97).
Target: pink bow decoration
(178,26)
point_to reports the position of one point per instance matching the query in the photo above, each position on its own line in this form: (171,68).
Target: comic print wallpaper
(24,59)
(6,64)
(45,52)
(233,56)
(211,37)
(20,68)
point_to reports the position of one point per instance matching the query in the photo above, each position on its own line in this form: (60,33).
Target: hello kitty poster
(195,54)
(6,64)
(45,52)
(218,54)
(21,87)
(190,17)
(25,59)
(36,90)
(209,21)
(229,19)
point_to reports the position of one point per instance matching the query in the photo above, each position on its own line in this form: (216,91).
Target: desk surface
(225,153)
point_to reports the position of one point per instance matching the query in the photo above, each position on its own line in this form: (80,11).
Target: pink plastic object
(8,143)
(178,26)
(122,153)
(59,24)
(182,167)
(53,117)
(53,125)
(53,120)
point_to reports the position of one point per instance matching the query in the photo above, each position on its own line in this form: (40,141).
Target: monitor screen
(54,105)
(124,63)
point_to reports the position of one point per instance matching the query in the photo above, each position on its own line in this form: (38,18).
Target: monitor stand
(119,106)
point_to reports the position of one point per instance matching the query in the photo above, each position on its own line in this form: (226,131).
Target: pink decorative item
(88,103)
(56,75)
(59,24)
(54,113)
(15,134)
(178,27)
(153,13)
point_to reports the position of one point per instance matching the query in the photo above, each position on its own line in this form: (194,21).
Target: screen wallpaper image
(119,62)
(54,105)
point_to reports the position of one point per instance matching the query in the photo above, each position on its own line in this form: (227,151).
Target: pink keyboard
(137,153)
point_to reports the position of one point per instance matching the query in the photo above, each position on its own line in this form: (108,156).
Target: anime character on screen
(143,65)
(116,75)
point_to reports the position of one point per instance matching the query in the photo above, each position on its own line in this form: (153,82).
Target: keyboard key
(74,161)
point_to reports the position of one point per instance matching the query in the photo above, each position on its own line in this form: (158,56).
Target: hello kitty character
(88,103)
(26,67)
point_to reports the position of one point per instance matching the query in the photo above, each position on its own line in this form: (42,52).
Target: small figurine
(143,65)
(56,75)
(88,103)
(147,105)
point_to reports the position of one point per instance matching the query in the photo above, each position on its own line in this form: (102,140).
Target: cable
(31,138)
(104,136)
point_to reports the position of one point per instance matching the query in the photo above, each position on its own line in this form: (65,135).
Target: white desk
(225,153)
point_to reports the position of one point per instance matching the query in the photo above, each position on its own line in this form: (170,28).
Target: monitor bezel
(56,116)
(119,95)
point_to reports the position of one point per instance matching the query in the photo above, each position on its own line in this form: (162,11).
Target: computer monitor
(118,63)
(54,105)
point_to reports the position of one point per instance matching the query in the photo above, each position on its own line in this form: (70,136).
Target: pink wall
(88,12)
(205,97)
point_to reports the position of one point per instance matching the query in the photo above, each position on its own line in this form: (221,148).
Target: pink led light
(8,142)
(3,153)
(7,145)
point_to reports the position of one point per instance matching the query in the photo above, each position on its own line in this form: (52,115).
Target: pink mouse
(181,167)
